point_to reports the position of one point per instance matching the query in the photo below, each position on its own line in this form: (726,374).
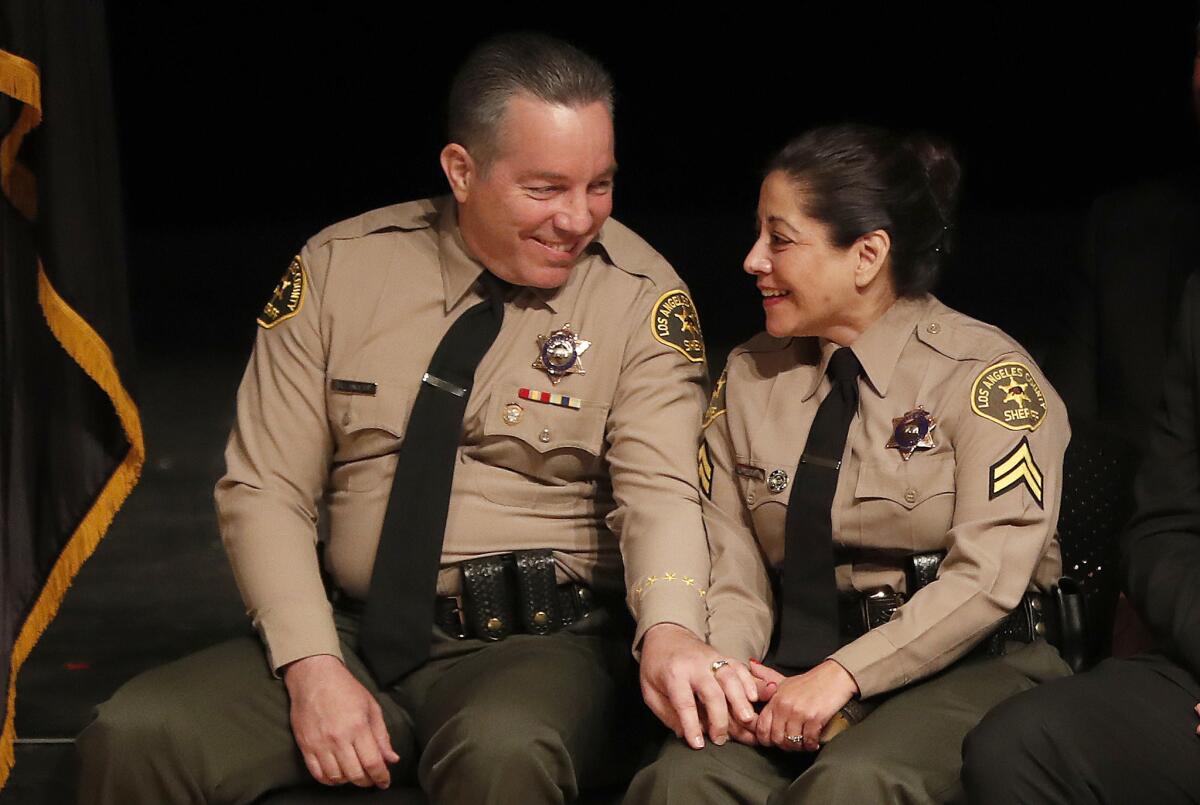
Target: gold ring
(718,665)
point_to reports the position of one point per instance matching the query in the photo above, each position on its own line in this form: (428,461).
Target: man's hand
(677,670)
(802,705)
(337,723)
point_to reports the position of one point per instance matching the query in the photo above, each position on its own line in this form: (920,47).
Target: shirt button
(910,496)
(750,498)
(934,328)
(345,419)
(544,436)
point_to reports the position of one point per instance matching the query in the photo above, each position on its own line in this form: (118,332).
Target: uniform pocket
(367,429)
(908,485)
(540,454)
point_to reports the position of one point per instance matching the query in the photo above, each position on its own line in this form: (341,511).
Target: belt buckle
(879,604)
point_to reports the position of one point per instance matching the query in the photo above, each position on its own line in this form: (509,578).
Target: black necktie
(809,627)
(397,621)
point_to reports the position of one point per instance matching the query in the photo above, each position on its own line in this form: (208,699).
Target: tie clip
(827,463)
(444,385)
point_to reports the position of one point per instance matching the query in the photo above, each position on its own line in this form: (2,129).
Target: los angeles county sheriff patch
(716,404)
(287,299)
(676,324)
(1007,394)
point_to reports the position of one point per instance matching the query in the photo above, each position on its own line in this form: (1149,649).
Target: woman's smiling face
(807,282)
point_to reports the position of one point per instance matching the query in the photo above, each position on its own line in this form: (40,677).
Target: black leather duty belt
(1054,616)
(505,594)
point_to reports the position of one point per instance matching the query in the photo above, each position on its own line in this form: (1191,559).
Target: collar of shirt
(460,270)
(878,348)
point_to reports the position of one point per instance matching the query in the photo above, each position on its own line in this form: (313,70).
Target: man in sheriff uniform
(490,404)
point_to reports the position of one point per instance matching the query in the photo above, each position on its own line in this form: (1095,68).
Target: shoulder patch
(287,298)
(716,404)
(1007,394)
(1013,470)
(704,469)
(676,324)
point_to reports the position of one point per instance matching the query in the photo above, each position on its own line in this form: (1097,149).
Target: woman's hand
(801,705)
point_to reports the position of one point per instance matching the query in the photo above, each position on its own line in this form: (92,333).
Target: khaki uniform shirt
(985,489)
(336,367)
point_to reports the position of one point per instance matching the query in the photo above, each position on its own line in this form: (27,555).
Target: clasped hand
(681,688)
(799,705)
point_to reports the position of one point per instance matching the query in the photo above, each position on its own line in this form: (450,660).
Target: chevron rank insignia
(1015,469)
(287,298)
(705,470)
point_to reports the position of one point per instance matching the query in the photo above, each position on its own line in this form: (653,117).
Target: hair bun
(941,169)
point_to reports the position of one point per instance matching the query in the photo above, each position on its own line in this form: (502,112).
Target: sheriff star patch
(676,324)
(704,464)
(287,298)
(1016,468)
(1007,394)
(716,404)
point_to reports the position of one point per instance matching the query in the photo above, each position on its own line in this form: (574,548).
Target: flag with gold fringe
(71,447)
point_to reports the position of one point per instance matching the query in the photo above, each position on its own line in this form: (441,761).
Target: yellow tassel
(19,79)
(88,349)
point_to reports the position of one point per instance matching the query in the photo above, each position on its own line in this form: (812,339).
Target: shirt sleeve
(1007,486)
(652,437)
(741,609)
(1161,547)
(277,461)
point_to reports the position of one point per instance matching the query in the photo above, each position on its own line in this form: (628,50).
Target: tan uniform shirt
(986,490)
(611,479)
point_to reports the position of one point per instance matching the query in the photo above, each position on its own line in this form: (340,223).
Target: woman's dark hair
(856,179)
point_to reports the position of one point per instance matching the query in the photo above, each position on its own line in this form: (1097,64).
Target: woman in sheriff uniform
(881,478)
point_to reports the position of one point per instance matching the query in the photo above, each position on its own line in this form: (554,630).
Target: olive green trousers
(526,720)
(908,750)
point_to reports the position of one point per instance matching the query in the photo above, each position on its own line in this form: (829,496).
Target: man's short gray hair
(540,66)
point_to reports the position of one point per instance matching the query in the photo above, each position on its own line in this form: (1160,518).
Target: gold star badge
(559,353)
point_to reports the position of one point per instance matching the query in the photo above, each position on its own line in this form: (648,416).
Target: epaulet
(622,247)
(408,216)
(763,342)
(963,338)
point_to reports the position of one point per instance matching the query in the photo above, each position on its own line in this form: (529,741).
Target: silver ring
(718,665)
(796,739)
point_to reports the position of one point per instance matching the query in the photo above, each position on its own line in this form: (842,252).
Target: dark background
(242,138)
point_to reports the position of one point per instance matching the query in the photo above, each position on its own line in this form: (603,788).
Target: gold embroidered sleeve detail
(676,324)
(1015,469)
(650,582)
(1007,394)
(288,297)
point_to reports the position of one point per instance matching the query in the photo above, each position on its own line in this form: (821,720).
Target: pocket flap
(910,484)
(546,426)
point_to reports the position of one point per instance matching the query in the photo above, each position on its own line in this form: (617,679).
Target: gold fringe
(19,79)
(95,358)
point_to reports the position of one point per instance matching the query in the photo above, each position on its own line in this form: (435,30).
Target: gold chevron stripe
(1014,469)
(706,470)
(1021,455)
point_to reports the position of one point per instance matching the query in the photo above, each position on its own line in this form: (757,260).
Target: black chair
(1097,500)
